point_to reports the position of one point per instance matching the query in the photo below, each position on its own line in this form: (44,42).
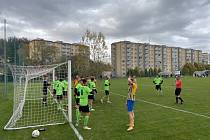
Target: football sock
(177,100)
(86,119)
(180,99)
(77,115)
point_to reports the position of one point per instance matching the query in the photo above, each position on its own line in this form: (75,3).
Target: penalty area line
(168,107)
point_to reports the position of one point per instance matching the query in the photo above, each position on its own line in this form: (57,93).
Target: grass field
(157,117)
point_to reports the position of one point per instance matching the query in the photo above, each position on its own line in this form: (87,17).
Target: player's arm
(89,91)
(106,84)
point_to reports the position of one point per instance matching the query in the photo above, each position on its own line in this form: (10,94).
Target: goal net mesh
(36,99)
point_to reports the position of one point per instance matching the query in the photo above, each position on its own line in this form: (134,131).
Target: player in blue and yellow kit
(130,101)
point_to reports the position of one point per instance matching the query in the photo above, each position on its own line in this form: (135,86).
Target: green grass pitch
(158,119)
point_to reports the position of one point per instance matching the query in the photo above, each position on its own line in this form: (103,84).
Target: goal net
(41,96)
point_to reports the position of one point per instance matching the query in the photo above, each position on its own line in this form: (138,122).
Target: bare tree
(97,44)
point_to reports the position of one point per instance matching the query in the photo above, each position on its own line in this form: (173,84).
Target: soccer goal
(42,96)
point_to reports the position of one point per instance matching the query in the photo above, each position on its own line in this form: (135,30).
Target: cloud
(171,22)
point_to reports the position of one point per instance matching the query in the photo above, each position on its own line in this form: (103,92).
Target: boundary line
(168,107)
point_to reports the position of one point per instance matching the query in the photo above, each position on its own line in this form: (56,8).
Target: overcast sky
(181,23)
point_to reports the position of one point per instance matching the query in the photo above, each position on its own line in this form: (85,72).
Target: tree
(207,67)
(97,44)
(188,69)
(142,74)
(146,73)
(155,71)
(85,67)
(151,72)
(159,70)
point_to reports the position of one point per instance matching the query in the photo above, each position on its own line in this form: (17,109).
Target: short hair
(92,78)
(84,80)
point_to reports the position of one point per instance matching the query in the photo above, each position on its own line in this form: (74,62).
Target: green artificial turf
(157,117)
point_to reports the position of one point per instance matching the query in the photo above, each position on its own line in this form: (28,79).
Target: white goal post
(42,96)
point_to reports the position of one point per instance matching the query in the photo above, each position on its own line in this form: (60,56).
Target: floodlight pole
(5,59)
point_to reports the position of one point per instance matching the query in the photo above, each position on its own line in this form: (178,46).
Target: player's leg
(161,89)
(85,109)
(59,100)
(180,96)
(90,98)
(130,115)
(102,99)
(177,95)
(54,92)
(78,114)
(108,96)
(156,88)
(44,100)
(65,94)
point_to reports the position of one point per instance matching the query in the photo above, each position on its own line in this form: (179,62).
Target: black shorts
(91,96)
(178,91)
(77,101)
(158,87)
(84,109)
(64,93)
(59,97)
(106,92)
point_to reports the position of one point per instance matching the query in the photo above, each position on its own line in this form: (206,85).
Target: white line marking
(180,110)
(79,136)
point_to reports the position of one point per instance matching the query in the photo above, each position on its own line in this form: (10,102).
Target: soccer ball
(35,133)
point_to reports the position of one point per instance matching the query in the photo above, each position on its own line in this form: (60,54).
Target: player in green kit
(59,93)
(54,84)
(158,82)
(84,108)
(92,86)
(106,90)
(65,88)
(77,98)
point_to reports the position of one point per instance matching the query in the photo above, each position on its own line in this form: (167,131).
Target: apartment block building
(61,49)
(128,55)
(205,58)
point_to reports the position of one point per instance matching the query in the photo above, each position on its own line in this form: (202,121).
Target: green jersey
(158,81)
(85,91)
(92,85)
(106,85)
(59,88)
(78,87)
(88,82)
(65,85)
(54,83)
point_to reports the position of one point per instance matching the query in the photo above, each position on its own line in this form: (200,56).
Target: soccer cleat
(130,128)
(76,124)
(102,101)
(109,102)
(86,128)
(92,109)
(130,125)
